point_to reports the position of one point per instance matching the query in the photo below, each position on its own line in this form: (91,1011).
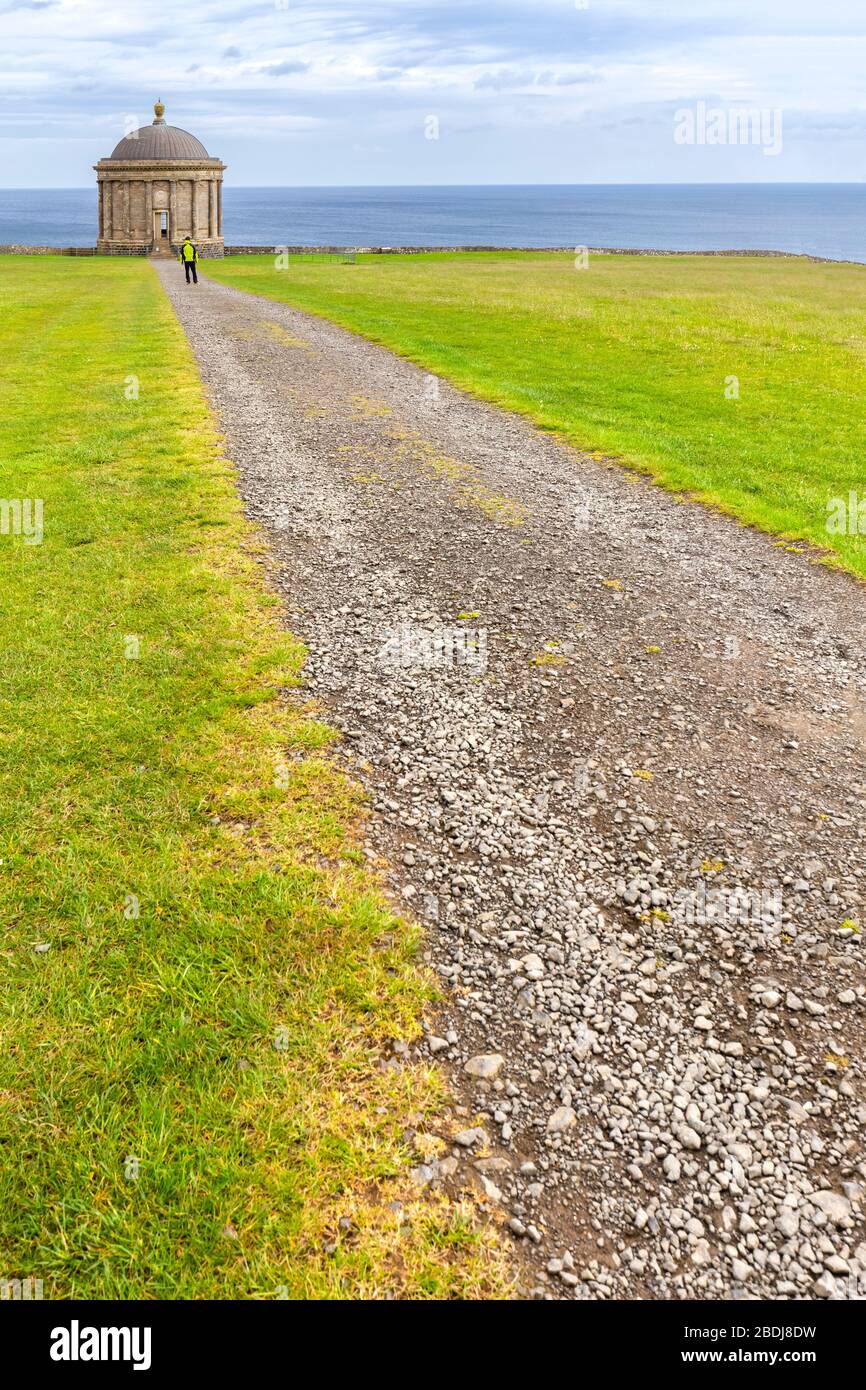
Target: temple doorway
(161,228)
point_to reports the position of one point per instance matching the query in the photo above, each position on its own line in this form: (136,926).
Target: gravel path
(615,749)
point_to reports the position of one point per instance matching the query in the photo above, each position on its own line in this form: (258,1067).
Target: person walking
(189,258)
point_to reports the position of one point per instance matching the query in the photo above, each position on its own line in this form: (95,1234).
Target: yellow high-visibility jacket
(188,252)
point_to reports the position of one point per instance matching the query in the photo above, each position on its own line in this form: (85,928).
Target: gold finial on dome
(158,113)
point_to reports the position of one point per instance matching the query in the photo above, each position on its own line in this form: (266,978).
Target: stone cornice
(163,167)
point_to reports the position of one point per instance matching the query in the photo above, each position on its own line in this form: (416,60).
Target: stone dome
(159,141)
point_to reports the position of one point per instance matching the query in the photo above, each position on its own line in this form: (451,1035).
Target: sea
(827,219)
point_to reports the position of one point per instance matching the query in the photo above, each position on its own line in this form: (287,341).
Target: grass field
(634,357)
(199,978)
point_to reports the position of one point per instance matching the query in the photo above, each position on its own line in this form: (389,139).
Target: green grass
(191,1101)
(630,358)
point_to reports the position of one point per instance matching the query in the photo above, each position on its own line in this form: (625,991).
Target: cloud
(283,69)
(510,79)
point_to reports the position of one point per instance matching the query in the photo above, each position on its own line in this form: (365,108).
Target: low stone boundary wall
(98,251)
(269,250)
(47,250)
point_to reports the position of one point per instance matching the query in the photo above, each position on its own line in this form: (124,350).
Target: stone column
(219,206)
(148,210)
(137,202)
(211,209)
(199,195)
(172,212)
(121,208)
(106,215)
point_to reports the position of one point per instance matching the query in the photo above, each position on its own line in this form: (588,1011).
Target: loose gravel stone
(561,1119)
(486,1066)
(834,1206)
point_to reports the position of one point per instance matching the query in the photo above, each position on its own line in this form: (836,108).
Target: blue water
(818,219)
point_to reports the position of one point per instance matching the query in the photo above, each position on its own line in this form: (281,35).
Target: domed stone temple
(158,186)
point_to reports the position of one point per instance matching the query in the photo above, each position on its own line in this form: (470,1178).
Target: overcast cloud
(342,92)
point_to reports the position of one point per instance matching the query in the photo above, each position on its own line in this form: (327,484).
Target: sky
(367,92)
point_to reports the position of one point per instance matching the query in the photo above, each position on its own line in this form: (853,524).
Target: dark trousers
(190,266)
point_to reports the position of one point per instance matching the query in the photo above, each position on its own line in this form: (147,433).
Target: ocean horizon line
(616,183)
